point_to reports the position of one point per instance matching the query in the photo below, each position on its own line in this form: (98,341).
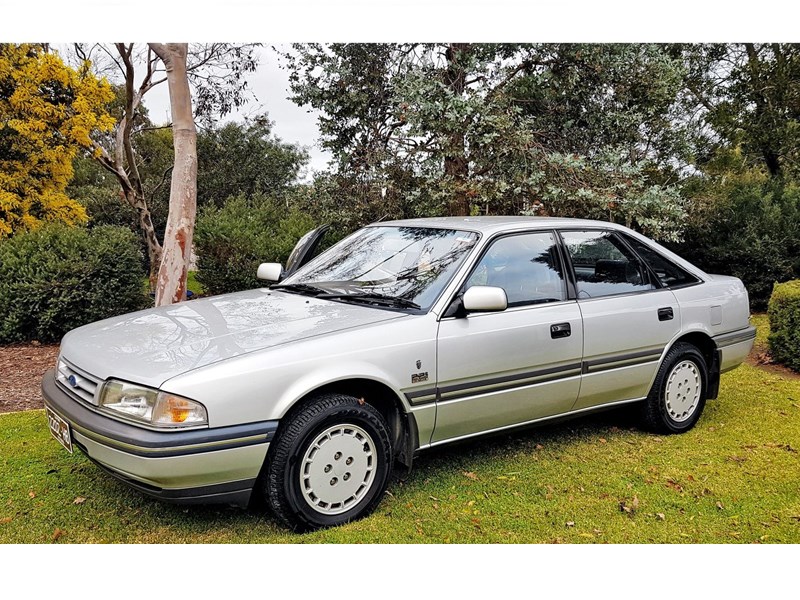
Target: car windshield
(401,267)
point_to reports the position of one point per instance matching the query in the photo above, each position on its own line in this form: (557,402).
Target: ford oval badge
(73,381)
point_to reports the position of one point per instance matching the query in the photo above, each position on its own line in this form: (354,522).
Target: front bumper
(218,465)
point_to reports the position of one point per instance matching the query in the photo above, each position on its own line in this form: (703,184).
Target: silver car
(401,337)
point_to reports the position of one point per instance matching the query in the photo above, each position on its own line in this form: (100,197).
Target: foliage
(57,278)
(745,225)
(215,74)
(784,322)
(48,111)
(245,158)
(232,240)
(486,129)
(747,98)
(233,159)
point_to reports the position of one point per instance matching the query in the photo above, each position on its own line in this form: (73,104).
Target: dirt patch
(21,370)
(759,357)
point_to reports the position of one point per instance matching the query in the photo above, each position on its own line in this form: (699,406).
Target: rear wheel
(330,465)
(678,395)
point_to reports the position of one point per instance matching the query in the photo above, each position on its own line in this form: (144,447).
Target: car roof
(496,224)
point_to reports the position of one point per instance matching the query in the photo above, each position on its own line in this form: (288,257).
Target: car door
(499,369)
(628,318)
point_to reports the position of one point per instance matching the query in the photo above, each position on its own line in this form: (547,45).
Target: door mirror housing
(484,298)
(270,271)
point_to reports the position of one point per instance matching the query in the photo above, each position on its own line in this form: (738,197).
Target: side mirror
(270,271)
(484,298)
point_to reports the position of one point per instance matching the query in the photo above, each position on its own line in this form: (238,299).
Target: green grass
(735,478)
(191,283)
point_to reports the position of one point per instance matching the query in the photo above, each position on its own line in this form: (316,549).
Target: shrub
(57,278)
(751,232)
(784,324)
(233,240)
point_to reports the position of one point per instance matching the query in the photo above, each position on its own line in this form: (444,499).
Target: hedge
(784,324)
(57,278)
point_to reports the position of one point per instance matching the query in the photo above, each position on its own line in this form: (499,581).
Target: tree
(174,267)
(48,111)
(216,73)
(243,159)
(481,128)
(748,97)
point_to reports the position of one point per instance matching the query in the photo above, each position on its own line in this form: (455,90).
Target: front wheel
(678,395)
(330,465)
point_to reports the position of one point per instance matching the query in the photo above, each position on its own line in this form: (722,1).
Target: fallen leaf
(31,494)
(586,535)
(5,520)
(661,516)
(470,475)
(671,483)
(603,440)
(361,402)
(719,506)
(635,503)
(79,500)
(570,523)
(539,447)
(58,533)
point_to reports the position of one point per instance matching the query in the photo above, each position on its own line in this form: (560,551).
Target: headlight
(149,406)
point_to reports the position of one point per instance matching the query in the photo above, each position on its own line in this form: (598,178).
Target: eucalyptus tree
(501,128)
(215,75)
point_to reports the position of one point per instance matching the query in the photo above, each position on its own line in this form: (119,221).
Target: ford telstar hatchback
(401,337)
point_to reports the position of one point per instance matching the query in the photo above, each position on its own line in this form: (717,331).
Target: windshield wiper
(373,298)
(300,288)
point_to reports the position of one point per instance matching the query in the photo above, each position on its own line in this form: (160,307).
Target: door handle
(560,330)
(665,314)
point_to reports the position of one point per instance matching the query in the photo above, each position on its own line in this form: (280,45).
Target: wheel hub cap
(682,392)
(338,469)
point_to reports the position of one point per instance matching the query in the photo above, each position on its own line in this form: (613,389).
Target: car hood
(152,346)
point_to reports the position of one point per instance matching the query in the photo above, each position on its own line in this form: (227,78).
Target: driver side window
(526,266)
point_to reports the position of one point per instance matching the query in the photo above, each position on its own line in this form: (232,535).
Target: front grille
(77,383)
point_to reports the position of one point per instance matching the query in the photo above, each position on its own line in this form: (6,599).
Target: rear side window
(670,274)
(603,265)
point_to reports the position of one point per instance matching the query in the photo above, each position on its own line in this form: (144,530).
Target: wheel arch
(708,348)
(401,422)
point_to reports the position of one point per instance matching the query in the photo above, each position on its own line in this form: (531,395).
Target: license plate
(60,429)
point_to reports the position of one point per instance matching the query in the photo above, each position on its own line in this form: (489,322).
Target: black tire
(333,424)
(667,408)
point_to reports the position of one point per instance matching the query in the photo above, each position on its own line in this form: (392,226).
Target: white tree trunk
(177,247)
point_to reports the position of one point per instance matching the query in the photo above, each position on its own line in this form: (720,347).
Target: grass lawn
(735,478)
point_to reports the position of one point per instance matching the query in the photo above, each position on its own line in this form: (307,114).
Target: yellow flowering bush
(48,111)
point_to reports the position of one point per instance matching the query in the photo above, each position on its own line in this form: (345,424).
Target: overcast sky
(270,84)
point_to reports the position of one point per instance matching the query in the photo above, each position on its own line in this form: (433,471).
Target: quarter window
(670,274)
(603,265)
(526,266)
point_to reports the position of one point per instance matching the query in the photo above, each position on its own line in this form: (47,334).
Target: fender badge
(419,377)
(419,364)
